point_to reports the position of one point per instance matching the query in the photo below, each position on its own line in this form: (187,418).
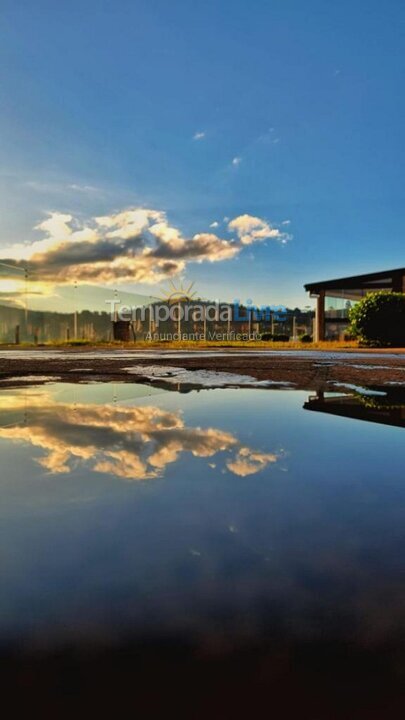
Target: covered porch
(334,298)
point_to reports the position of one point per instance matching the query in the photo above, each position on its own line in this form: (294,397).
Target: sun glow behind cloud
(11,286)
(135,245)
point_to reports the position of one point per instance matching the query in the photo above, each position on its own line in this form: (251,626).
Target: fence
(33,313)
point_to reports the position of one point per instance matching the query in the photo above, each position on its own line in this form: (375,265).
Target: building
(336,297)
(388,408)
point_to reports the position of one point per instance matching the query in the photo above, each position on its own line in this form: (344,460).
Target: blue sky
(101,102)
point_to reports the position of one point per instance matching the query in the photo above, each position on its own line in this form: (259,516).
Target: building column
(320,317)
(397,282)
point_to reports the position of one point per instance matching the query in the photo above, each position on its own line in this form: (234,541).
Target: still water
(261,525)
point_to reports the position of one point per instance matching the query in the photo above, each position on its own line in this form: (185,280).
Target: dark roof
(370,280)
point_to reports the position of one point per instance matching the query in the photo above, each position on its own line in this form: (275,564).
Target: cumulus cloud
(249,462)
(250,229)
(132,443)
(129,223)
(135,245)
(199,136)
(236,161)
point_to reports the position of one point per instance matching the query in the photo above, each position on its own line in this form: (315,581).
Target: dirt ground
(309,370)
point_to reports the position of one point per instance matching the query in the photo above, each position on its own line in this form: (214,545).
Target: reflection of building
(387,409)
(335,297)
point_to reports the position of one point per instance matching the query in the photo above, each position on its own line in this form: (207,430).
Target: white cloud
(129,223)
(131,443)
(236,161)
(250,229)
(199,135)
(135,245)
(57,226)
(82,188)
(249,462)
(214,224)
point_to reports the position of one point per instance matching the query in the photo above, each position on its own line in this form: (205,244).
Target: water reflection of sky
(124,507)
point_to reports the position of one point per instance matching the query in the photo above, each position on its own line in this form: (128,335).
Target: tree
(379,319)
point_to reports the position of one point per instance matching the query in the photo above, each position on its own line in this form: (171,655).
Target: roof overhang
(369,281)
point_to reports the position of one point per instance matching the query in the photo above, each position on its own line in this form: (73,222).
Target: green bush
(305,338)
(379,319)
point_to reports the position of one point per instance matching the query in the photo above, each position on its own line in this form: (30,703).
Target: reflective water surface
(234,524)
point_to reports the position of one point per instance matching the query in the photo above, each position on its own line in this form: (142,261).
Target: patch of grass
(193,345)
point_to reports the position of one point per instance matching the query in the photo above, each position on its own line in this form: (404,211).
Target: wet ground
(299,369)
(223,553)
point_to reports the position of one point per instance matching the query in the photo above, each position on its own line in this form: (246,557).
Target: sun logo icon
(177,294)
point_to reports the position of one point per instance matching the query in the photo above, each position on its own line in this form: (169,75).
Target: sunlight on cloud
(249,462)
(11,286)
(250,229)
(135,245)
(131,443)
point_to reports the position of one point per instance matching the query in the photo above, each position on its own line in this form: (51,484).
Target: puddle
(237,521)
(356,388)
(178,376)
(322,356)
(30,379)
(80,370)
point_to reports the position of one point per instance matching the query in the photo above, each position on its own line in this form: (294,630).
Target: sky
(248,147)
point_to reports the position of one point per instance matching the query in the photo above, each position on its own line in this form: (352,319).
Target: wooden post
(17,334)
(320,316)
(75,312)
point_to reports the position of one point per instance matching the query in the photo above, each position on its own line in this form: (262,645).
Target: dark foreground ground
(162,679)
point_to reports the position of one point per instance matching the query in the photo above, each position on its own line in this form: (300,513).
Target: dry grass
(194,345)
